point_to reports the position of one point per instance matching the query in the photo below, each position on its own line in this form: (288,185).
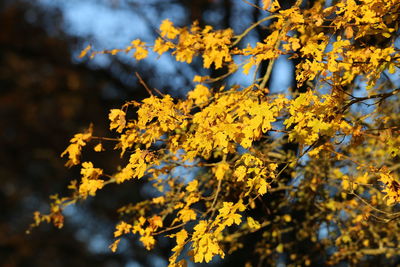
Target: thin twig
(381,96)
(105,138)
(391,215)
(370,206)
(242,35)
(215,198)
(147,88)
(144,84)
(253,5)
(169,229)
(267,74)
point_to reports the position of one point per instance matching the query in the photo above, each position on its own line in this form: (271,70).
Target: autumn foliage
(313,170)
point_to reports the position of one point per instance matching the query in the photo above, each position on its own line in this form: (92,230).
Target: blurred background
(47,94)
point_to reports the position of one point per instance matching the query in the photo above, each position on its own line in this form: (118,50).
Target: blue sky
(109,24)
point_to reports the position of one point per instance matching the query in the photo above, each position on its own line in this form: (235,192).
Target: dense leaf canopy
(305,176)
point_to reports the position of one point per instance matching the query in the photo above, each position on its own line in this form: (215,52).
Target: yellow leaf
(124,175)
(85,51)
(392,68)
(90,182)
(386,34)
(275,6)
(279,248)
(266,4)
(98,147)
(240,173)
(114,245)
(74,149)
(155,222)
(220,170)
(89,187)
(273,166)
(159,200)
(192,186)
(262,186)
(197,79)
(248,66)
(160,46)
(117,118)
(181,237)
(200,94)
(74,152)
(122,228)
(168,30)
(253,223)
(148,241)
(287,218)
(89,171)
(187,214)
(348,32)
